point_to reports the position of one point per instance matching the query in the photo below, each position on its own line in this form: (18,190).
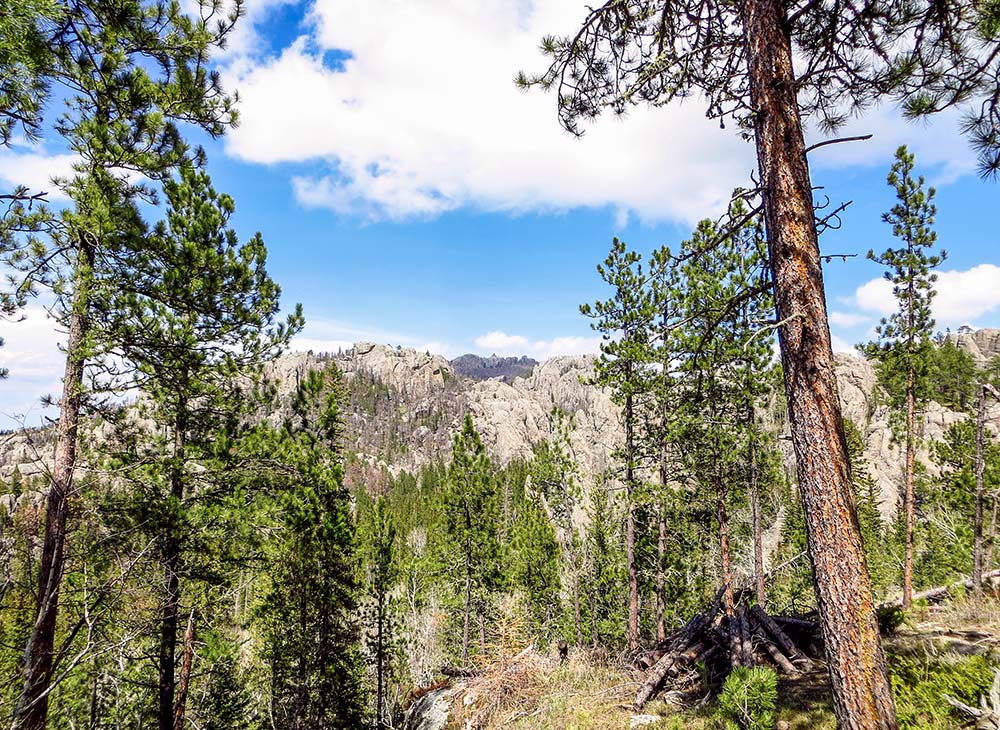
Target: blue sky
(409,194)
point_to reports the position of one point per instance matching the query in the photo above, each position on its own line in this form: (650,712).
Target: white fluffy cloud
(501,343)
(330,335)
(31,354)
(848,319)
(35,170)
(962,296)
(424,117)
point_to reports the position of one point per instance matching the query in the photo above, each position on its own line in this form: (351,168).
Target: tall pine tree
(905,348)
(624,322)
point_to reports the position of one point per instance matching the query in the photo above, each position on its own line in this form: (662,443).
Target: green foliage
(904,349)
(748,698)
(953,377)
(227,703)
(25,59)
(890,618)
(878,554)
(471,516)
(383,635)
(605,570)
(535,565)
(308,613)
(920,683)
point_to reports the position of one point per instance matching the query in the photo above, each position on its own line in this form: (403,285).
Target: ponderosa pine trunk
(721,495)
(661,583)
(861,691)
(171,580)
(31,709)
(908,496)
(758,538)
(180,706)
(633,576)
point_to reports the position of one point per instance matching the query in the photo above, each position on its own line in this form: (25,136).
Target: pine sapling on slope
(905,348)
(624,323)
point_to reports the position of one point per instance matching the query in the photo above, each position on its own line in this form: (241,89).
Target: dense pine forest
(712,522)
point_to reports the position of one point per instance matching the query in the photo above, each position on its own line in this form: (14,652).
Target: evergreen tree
(605,569)
(128,73)
(624,323)
(383,573)
(555,473)
(25,63)
(204,324)
(308,614)
(471,517)
(905,349)
(721,357)
(873,529)
(952,376)
(535,568)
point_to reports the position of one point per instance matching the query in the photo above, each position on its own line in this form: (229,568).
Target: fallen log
(460,671)
(940,592)
(768,625)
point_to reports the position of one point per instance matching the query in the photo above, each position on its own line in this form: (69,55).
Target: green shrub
(890,618)
(920,683)
(748,699)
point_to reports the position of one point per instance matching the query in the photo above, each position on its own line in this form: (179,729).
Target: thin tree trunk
(908,497)
(758,538)
(380,663)
(977,546)
(31,709)
(661,583)
(180,707)
(723,517)
(633,575)
(467,610)
(576,595)
(171,581)
(991,541)
(861,692)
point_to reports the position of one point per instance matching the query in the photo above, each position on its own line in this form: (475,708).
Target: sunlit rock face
(403,407)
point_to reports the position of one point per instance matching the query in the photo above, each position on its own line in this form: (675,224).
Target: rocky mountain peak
(982,344)
(476,367)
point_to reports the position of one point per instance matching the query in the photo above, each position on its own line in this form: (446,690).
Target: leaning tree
(737,57)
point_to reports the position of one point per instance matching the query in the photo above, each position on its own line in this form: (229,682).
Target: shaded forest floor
(949,649)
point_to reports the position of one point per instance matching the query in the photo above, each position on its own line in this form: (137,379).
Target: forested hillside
(709,521)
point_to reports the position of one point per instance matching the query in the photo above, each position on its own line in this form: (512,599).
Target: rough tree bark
(723,517)
(180,706)
(862,696)
(31,709)
(661,552)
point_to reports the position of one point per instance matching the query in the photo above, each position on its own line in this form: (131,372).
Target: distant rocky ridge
(475,367)
(405,405)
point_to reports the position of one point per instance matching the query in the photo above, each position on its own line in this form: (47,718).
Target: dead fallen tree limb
(460,671)
(941,592)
